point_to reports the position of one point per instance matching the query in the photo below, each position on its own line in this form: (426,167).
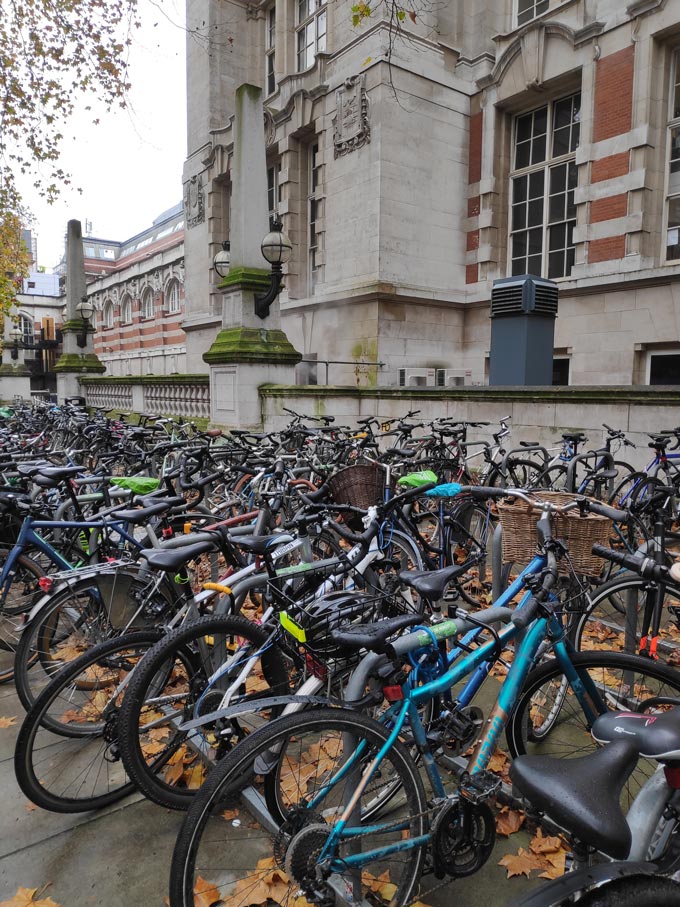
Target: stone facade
(412,171)
(137,288)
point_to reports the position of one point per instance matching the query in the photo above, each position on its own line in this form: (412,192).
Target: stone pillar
(75,360)
(248,351)
(15,378)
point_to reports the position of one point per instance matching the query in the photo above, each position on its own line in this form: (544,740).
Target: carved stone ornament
(351,126)
(157,282)
(194,201)
(269,128)
(533,48)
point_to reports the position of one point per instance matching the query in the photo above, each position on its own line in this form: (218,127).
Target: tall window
(27,330)
(529,9)
(273,192)
(172,297)
(126,310)
(270,63)
(314,212)
(108,314)
(311,31)
(673,196)
(147,303)
(543,179)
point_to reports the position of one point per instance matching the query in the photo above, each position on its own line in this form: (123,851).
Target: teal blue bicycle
(329,806)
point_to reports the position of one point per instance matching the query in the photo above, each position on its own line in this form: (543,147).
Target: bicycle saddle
(52,476)
(660,440)
(173,559)
(529,444)
(431,584)
(259,544)
(137,517)
(575,436)
(582,794)
(374,636)
(655,736)
(401,452)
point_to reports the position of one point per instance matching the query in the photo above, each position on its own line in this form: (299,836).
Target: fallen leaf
(518,864)
(29,897)
(544,845)
(230,814)
(508,821)
(8,722)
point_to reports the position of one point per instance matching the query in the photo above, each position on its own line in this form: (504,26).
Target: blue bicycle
(329,806)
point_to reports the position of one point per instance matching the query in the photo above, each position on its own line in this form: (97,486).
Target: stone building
(137,287)
(489,138)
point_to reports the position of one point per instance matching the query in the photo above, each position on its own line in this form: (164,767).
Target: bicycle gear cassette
(463,837)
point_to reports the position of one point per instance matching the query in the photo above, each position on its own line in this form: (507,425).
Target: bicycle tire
(19,600)
(74,765)
(163,762)
(75,619)
(319,736)
(634,891)
(628,682)
(608,617)
(469,539)
(519,473)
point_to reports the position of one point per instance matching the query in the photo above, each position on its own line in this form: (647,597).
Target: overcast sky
(130,165)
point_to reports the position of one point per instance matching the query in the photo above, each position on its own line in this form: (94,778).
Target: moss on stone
(14,371)
(149,379)
(257,280)
(240,344)
(79,362)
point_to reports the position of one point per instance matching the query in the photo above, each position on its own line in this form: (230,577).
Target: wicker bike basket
(579,533)
(359,486)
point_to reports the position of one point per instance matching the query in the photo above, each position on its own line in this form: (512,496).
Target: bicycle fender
(573,882)
(271,702)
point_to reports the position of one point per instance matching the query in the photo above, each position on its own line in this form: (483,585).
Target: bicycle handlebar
(639,563)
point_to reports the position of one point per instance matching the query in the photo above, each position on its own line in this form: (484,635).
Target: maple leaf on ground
(540,844)
(519,864)
(8,722)
(29,897)
(508,821)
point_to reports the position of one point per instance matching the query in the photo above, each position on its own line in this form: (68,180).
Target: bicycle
(310,781)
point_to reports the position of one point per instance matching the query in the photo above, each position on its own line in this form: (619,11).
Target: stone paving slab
(120,856)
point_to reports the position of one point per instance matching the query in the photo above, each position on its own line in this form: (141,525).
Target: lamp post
(222,261)
(85,310)
(15,335)
(276,249)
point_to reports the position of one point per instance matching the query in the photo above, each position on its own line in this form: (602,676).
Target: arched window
(26,325)
(108,314)
(126,310)
(172,296)
(147,303)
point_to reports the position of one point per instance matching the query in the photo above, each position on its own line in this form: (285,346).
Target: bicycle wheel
(19,600)
(470,528)
(614,613)
(401,553)
(547,703)
(67,758)
(173,685)
(84,613)
(275,800)
(517,473)
(553,478)
(635,891)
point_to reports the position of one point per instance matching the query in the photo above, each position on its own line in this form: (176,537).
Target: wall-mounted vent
(524,295)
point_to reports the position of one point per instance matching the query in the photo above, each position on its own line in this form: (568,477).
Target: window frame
(522,19)
(669,351)
(107,315)
(548,166)
(27,325)
(314,207)
(316,11)
(270,84)
(173,298)
(126,304)
(672,125)
(147,303)
(273,191)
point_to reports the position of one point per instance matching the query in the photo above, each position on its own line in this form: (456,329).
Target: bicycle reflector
(672,773)
(45,583)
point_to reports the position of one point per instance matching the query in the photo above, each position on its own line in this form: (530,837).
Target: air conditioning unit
(417,377)
(453,377)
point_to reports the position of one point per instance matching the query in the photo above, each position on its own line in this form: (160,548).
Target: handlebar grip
(619,516)
(638,563)
(482,492)
(349,536)
(526,614)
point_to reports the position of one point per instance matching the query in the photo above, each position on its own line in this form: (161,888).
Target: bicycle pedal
(480,786)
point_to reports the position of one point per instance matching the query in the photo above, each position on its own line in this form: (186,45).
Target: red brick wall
(607,208)
(475,151)
(614,94)
(608,249)
(608,168)
(471,273)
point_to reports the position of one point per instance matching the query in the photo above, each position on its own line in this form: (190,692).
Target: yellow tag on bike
(290,626)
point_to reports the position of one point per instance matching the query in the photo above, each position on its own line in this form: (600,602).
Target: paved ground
(120,857)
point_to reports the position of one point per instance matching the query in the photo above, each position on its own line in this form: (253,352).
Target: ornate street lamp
(15,335)
(85,310)
(222,261)
(276,249)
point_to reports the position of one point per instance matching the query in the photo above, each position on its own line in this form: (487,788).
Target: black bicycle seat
(660,440)
(259,544)
(138,516)
(52,476)
(654,736)
(171,560)
(582,794)
(431,584)
(575,437)
(374,636)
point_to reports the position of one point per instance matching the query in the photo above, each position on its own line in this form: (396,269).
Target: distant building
(137,287)
(40,307)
